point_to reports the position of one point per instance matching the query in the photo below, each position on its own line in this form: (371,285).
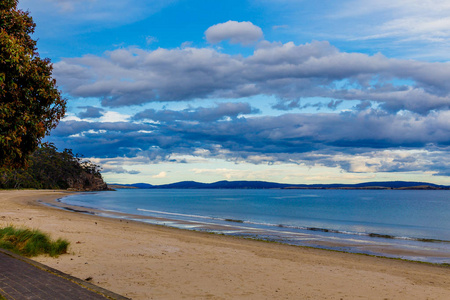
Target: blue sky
(288,91)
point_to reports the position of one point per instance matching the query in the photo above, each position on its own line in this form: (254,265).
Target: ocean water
(404,224)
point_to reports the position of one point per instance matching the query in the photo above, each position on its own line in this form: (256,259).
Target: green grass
(2,298)
(30,242)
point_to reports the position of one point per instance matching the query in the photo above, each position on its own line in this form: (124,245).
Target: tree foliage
(30,103)
(50,169)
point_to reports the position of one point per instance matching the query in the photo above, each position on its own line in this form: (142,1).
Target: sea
(404,224)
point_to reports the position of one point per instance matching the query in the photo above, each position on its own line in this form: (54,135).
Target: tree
(30,103)
(50,169)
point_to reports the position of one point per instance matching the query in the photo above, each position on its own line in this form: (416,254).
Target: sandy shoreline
(426,254)
(144,261)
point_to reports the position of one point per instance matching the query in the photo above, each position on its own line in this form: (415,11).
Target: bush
(31,242)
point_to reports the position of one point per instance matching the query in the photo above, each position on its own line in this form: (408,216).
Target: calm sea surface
(404,224)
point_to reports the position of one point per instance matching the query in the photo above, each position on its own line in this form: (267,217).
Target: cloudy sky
(294,91)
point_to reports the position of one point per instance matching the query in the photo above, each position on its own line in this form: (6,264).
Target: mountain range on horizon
(397,185)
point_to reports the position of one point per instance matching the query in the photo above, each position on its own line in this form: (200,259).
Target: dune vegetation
(31,243)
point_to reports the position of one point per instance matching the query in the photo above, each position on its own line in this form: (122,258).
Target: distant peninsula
(383,185)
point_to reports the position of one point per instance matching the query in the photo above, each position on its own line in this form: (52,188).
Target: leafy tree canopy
(30,104)
(51,169)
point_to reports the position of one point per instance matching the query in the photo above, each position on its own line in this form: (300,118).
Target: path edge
(82,283)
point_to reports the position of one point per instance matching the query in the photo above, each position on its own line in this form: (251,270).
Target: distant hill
(397,185)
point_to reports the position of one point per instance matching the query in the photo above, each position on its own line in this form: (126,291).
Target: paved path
(21,278)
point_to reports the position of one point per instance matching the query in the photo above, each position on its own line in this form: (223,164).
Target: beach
(143,261)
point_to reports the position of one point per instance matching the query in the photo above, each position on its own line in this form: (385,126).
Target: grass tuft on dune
(31,242)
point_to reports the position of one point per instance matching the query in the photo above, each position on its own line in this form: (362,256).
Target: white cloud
(327,177)
(68,17)
(391,160)
(398,7)
(404,20)
(160,175)
(151,40)
(235,174)
(244,33)
(69,5)
(118,170)
(112,116)
(276,27)
(287,71)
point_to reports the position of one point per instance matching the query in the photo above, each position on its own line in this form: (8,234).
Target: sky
(292,91)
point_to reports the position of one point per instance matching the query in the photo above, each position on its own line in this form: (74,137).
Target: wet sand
(143,261)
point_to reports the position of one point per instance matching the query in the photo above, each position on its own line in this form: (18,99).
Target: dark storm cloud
(291,132)
(133,76)
(68,128)
(90,112)
(399,120)
(289,105)
(222,110)
(330,139)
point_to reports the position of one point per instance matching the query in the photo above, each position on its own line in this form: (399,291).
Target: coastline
(210,211)
(144,261)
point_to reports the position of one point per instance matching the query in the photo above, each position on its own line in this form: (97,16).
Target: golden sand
(143,261)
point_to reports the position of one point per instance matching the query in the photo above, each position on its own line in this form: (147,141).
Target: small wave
(234,220)
(286,197)
(317,229)
(427,240)
(370,234)
(228,199)
(175,214)
(296,196)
